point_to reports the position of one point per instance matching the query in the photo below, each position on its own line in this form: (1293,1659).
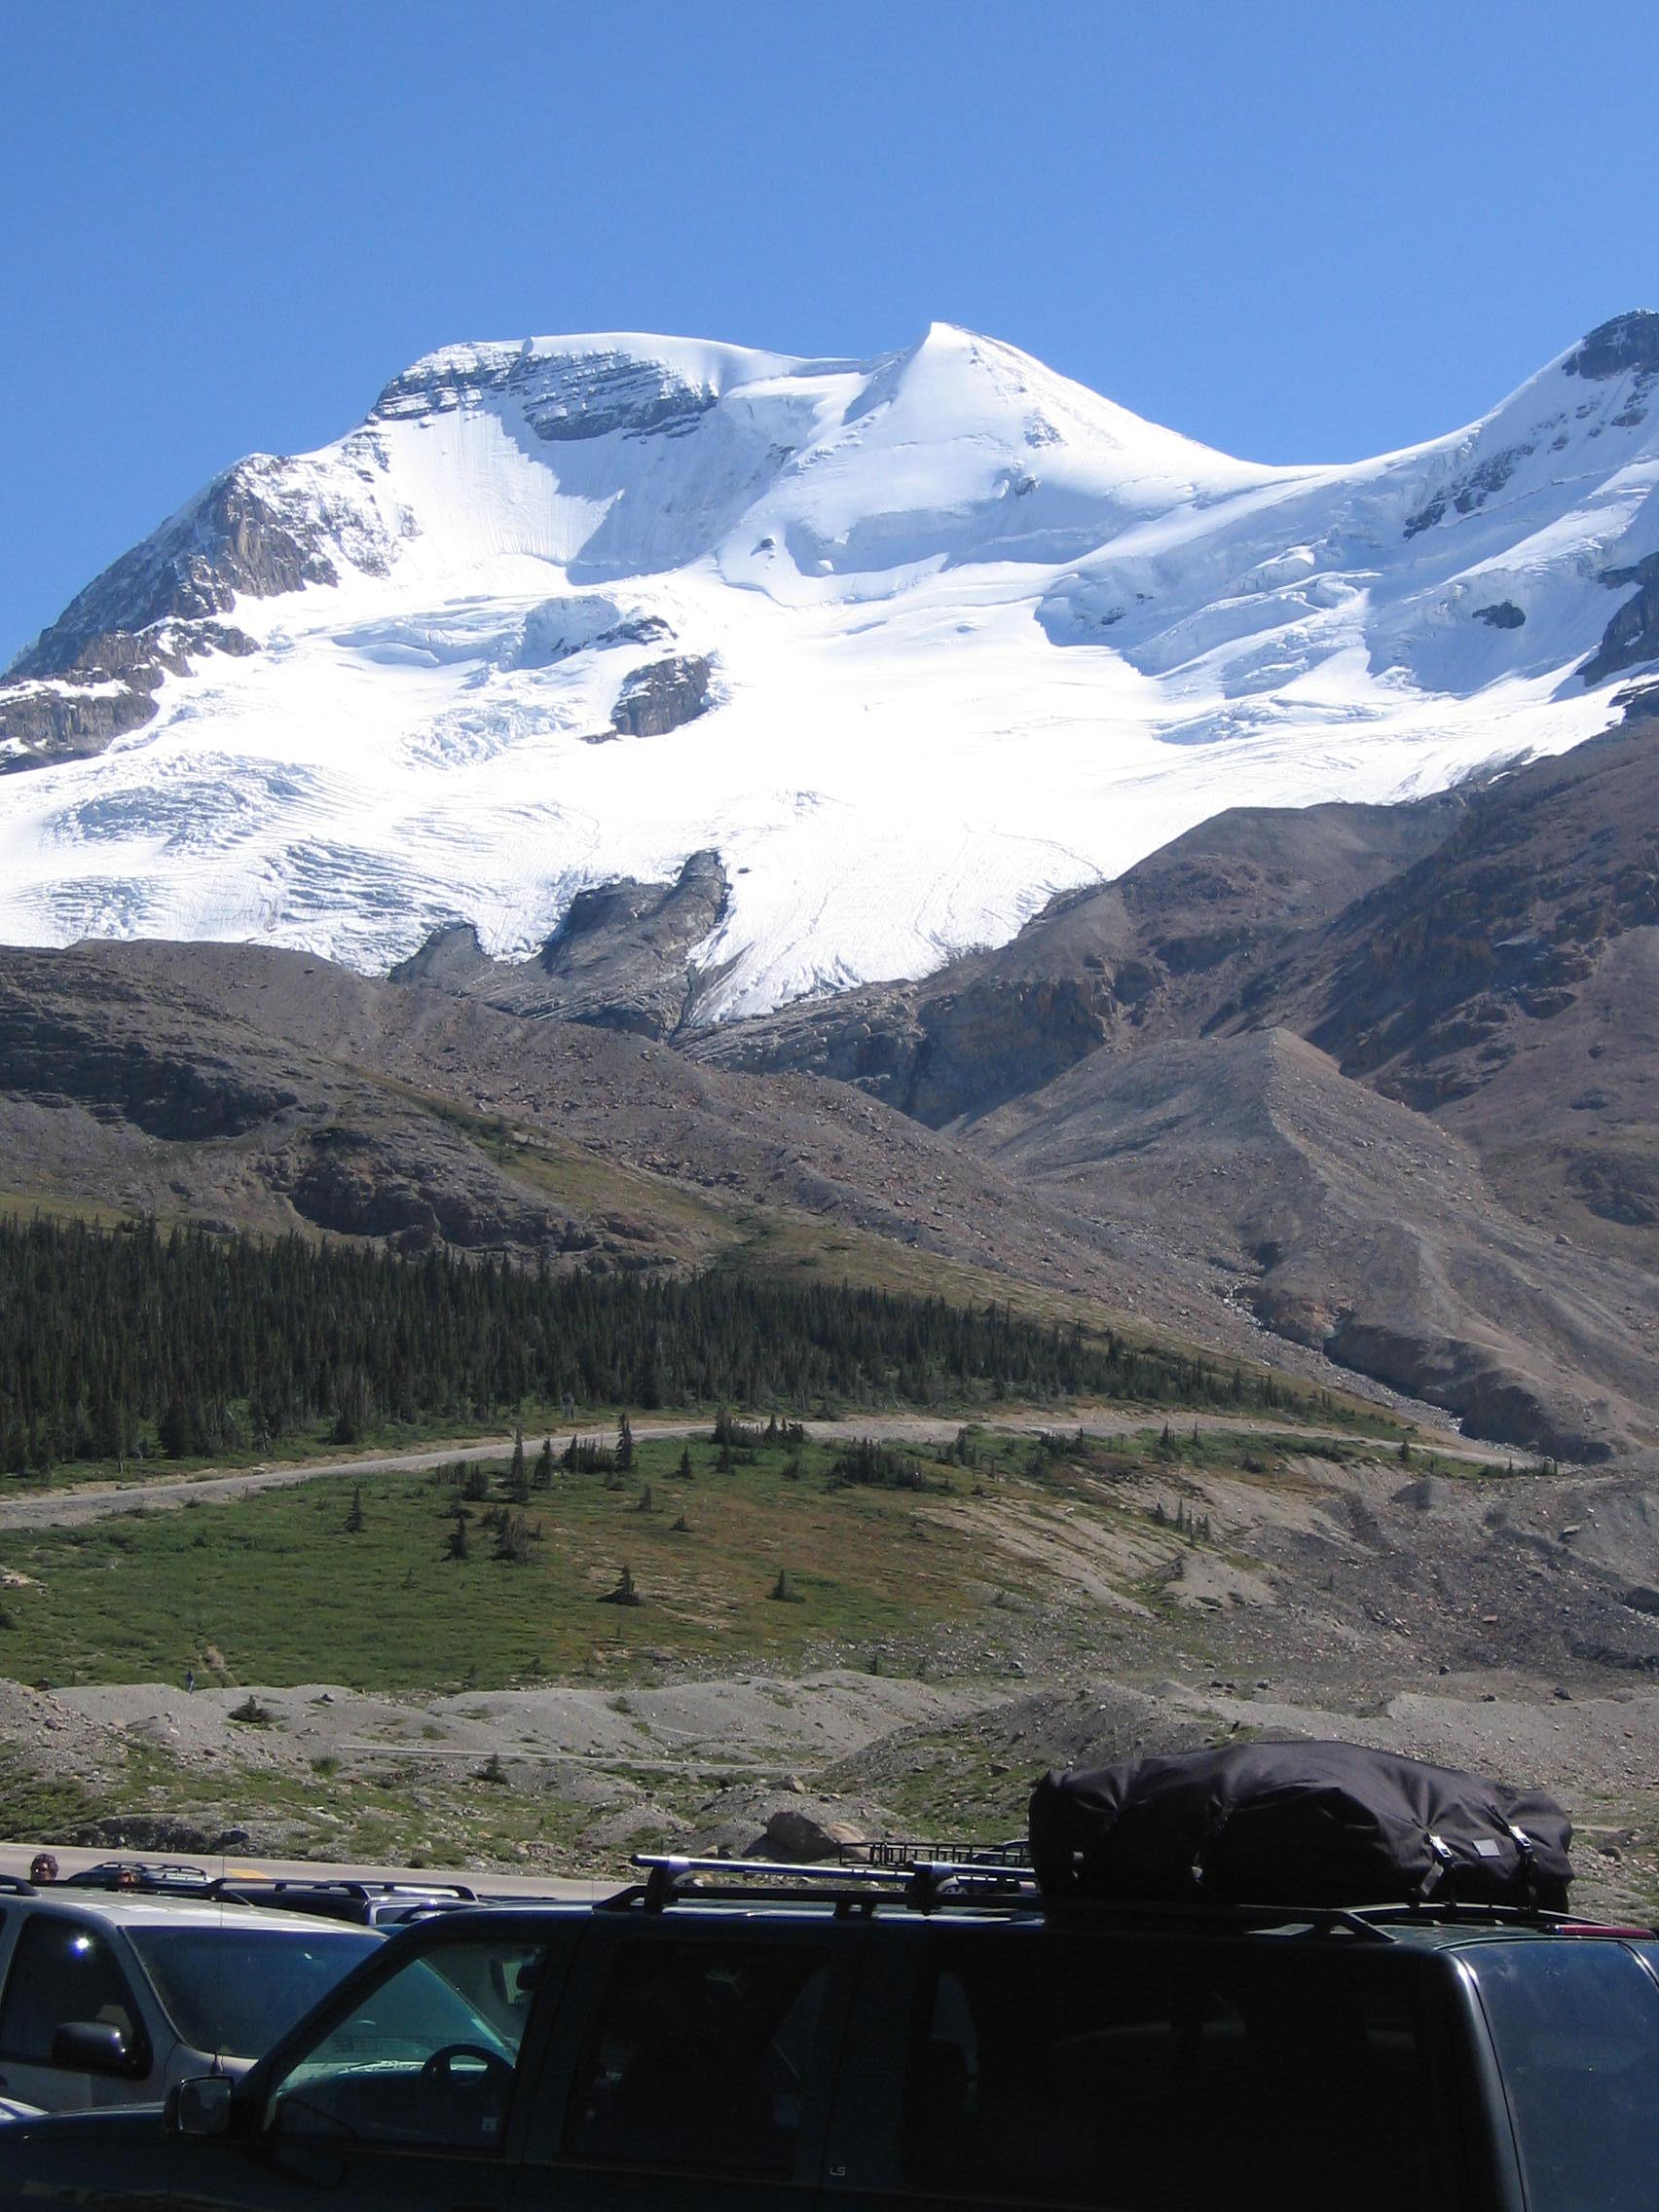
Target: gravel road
(65,1505)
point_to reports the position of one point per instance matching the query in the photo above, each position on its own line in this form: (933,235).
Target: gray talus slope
(1349,1223)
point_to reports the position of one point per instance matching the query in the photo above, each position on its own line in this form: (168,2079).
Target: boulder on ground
(803,1839)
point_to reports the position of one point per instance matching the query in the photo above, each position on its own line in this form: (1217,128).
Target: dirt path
(68,1505)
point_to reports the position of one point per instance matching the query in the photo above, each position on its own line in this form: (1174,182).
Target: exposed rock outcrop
(106,690)
(662,696)
(621,957)
(564,396)
(1468,492)
(1627,342)
(359,1181)
(1631,637)
(254,532)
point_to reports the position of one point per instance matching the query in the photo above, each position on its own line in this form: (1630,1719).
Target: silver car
(111,1999)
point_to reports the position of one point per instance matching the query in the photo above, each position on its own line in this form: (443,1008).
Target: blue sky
(1295,231)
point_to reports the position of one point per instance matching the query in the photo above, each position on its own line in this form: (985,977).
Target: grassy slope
(278,1589)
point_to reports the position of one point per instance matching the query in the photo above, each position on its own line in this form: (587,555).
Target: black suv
(760,2042)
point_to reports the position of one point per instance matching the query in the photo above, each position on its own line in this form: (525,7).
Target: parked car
(155,1877)
(370,1903)
(875,2038)
(113,1998)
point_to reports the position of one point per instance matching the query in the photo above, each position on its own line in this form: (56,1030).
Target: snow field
(978,636)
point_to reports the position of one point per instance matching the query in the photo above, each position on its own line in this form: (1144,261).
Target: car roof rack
(1383,1921)
(1469,1912)
(988,1881)
(892,1851)
(916,1885)
(1218,1916)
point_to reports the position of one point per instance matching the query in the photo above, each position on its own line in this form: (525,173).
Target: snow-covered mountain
(911,644)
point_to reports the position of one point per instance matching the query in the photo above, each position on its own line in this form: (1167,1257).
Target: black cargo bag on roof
(1297,1824)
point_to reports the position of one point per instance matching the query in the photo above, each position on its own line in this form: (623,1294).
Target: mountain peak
(911,643)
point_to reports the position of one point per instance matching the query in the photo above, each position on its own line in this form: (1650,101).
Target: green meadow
(465,1577)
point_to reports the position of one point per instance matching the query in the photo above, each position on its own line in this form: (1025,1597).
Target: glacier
(955,634)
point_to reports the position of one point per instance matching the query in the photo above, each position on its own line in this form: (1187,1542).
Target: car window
(698,2055)
(427,2055)
(1576,2027)
(236,1990)
(1154,2078)
(62,1969)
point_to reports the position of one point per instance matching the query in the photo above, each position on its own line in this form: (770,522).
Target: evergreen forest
(133,1342)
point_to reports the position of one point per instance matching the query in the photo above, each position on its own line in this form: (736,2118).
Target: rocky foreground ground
(1495,1620)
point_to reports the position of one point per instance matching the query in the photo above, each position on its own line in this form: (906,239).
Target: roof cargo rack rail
(920,1885)
(1380,1923)
(1220,1915)
(1469,1912)
(893,1851)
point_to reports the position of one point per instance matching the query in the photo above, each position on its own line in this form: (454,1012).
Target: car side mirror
(91,2046)
(200,2106)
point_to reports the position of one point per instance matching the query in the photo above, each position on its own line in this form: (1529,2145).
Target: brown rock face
(804,1838)
(620,958)
(662,696)
(248,532)
(251,532)
(107,690)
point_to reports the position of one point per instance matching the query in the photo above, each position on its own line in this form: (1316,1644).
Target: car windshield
(428,2053)
(233,1989)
